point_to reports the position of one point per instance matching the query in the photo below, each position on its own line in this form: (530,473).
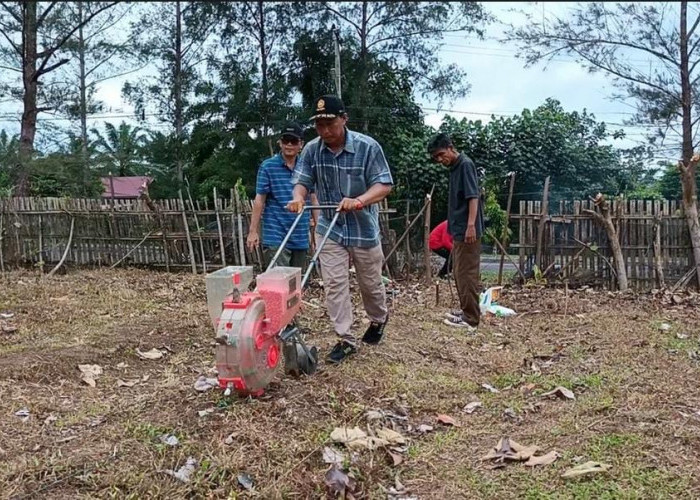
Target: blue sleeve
(263,184)
(377,169)
(304,173)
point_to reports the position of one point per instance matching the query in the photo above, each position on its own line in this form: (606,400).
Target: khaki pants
(335,271)
(466,262)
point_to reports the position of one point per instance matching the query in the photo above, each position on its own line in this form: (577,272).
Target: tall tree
(98,55)
(651,52)
(407,36)
(173,38)
(259,36)
(33,34)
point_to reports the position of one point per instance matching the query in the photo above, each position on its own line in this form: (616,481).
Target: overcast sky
(500,84)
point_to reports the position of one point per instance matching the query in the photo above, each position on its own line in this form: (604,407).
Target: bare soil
(631,360)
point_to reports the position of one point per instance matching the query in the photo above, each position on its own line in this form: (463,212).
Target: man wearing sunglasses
(347,169)
(273,192)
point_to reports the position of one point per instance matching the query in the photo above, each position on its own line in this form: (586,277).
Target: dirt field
(631,361)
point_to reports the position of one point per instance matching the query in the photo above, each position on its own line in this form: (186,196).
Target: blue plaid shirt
(347,174)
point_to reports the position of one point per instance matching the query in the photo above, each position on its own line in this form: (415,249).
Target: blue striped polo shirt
(275,181)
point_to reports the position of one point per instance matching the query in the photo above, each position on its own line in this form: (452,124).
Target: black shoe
(340,351)
(374,333)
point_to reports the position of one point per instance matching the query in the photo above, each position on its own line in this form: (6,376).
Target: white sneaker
(460,323)
(455,315)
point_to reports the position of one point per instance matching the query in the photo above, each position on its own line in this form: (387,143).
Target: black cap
(328,106)
(293,129)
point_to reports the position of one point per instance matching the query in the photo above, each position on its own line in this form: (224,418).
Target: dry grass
(636,389)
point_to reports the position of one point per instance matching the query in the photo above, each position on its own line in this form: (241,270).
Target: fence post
(506,243)
(543,219)
(426,241)
(187,234)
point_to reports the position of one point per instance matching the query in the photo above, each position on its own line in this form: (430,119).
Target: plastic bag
(487,304)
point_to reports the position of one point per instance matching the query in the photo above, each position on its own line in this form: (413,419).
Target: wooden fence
(635,221)
(172,234)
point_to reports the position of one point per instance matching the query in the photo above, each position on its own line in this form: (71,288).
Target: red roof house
(125,187)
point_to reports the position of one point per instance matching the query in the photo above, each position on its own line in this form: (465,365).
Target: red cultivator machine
(255,330)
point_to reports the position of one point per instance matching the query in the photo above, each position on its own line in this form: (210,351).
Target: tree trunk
(29,80)
(605,219)
(83,98)
(177,90)
(688,164)
(365,70)
(264,105)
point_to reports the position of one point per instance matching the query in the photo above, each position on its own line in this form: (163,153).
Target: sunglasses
(290,140)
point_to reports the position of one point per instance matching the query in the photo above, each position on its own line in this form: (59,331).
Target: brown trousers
(466,260)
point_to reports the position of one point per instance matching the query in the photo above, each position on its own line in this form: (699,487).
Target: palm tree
(122,149)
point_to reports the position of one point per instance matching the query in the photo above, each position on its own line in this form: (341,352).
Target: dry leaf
(391,437)
(90,373)
(396,458)
(332,456)
(562,392)
(204,413)
(152,354)
(374,415)
(7,315)
(347,435)
(339,483)
(229,439)
(185,472)
(245,480)
(543,459)
(471,407)
(490,388)
(528,388)
(423,428)
(447,420)
(127,383)
(585,469)
(50,419)
(510,450)
(169,439)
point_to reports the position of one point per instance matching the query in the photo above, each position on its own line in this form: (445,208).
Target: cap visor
(323,115)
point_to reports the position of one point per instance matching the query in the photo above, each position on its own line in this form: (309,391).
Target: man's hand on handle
(296,205)
(349,204)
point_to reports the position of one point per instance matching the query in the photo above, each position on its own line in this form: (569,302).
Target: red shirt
(440,238)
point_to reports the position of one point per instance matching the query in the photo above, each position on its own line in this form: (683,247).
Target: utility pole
(336,70)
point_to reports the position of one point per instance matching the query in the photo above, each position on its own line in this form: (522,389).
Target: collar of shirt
(283,163)
(349,145)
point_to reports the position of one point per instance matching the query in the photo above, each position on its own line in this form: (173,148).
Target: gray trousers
(335,271)
(288,258)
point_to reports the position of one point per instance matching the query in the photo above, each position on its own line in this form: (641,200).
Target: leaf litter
(586,469)
(508,449)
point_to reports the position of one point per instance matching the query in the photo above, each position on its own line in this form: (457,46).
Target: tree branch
(342,16)
(48,69)
(46,54)
(405,35)
(569,40)
(11,12)
(629,78)
(14,46)
(44,14)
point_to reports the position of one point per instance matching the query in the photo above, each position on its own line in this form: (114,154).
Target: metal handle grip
(294,225)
